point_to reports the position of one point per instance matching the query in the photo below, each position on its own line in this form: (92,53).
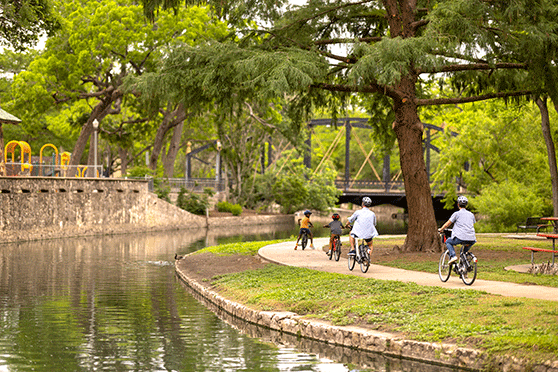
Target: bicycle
(362,257)
(335,248)
(304,240)
(465,267)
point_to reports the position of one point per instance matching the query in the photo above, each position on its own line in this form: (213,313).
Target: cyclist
(305,226)
(364,225)
(463,231)
(336,227)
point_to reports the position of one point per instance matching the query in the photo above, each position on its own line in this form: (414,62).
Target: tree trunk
(170,120)
(422,234)
(174,146)
(551,151)
(123,155)
(2,163)
(102,109)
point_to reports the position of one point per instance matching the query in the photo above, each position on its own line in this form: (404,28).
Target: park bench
(533,223)
(553,250)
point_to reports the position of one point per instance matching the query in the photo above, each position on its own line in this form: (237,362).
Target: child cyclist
(305,226)
(336,227)
(364,225)
(463,231)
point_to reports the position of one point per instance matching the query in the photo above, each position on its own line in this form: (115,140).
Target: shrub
(235,209)
(193,203)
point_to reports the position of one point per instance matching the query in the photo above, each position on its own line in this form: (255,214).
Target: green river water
(114,303)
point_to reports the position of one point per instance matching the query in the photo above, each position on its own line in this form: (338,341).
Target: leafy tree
(24,21)
(297,188)
(390,46)
(82,70)
(521,31)
(496,155)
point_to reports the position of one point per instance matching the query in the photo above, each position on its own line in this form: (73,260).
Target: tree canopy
(321,49)
(22,22)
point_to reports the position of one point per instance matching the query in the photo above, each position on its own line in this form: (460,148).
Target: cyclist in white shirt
(364,225)
(463,231)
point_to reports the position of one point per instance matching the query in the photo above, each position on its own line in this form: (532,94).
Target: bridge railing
(377,186)
(192,184)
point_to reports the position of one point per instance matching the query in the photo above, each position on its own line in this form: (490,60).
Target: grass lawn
(495,253)
(520,327)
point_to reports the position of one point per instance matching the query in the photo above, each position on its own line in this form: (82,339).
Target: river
(114,303)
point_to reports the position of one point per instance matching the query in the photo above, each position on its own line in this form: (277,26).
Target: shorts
(368,240)
(302,230)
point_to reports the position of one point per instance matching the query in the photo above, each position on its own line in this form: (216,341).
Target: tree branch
(257,118)
(449,101)
(317,15)
(474,67)
(390,92)
(347,40)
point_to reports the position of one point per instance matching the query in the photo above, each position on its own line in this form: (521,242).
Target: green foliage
(508,203)
(24,21)
(297,188)
(499,156)
(224,206)
(192,202)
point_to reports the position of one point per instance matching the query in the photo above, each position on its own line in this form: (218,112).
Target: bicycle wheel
(364,258)
(351,261)
(332,250)
(304,241)
(337,252)
(470,273)
(444,269)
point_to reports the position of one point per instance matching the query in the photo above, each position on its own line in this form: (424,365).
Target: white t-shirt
(463,225)
(364,225)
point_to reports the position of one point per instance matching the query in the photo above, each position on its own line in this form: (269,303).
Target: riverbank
(200,270)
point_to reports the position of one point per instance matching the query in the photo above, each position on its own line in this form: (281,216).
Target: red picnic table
(553,236)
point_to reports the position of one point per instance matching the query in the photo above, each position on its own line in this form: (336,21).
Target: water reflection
(114,303)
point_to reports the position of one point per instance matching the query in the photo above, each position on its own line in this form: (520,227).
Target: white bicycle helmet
(366,201)
(462,201)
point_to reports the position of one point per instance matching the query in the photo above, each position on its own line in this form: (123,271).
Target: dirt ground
(204,267)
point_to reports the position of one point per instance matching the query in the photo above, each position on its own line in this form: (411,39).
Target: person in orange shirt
(305,225)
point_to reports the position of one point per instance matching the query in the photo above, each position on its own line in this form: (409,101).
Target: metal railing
(363,185)
(48,170)
(190,184)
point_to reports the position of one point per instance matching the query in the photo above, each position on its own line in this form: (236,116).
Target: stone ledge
(388,344)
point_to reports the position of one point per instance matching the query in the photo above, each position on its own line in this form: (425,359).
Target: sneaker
(296,247)
(452,260)
(312,246)
(328,252)
(352,253)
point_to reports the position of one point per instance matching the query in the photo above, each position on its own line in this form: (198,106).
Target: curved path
(284,254)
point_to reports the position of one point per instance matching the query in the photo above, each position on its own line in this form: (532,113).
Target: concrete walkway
(284,254)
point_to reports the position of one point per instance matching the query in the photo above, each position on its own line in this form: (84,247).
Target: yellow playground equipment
(25,149)
(41,157)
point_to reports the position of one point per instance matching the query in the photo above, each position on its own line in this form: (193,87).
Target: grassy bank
(512,326)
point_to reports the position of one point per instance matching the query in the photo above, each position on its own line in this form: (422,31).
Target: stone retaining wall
(368,340)
(34,208)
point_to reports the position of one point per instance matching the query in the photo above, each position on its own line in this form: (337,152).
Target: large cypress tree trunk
(551,151)
(422,232)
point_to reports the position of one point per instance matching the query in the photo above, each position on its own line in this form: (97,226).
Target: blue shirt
(364,224)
